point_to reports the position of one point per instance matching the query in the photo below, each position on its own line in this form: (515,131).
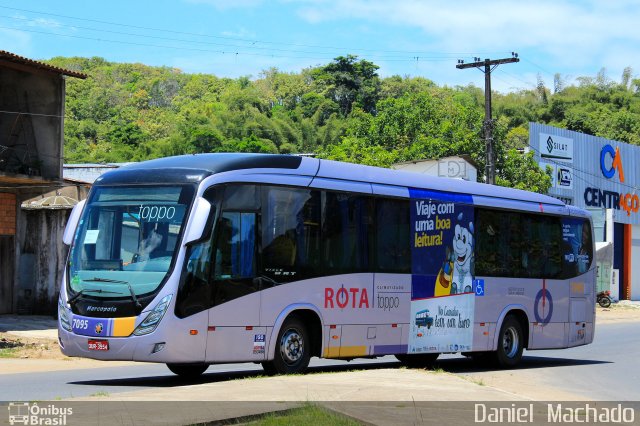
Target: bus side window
(577,249)
(392,236)
(347,224)
(235,251)
(235,260)
(290,234)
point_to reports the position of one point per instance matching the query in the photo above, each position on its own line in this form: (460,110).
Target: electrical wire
(34,114)
(246,40)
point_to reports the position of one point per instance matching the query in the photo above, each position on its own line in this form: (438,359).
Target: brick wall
(7,214)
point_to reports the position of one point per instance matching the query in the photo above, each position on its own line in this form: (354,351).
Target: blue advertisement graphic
(443,291)
(442,243)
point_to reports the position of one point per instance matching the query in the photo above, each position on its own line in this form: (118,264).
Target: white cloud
(569,32)
(44,23)
(47,23)
(240,33)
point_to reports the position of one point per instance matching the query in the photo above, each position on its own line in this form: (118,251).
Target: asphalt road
(605,370)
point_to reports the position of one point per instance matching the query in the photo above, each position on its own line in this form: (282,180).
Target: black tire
(188,371)
(510,344)
(605,301)
(293,349)
(418,360)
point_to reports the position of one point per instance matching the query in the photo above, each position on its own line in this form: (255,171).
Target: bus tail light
(64,317)
(153,319)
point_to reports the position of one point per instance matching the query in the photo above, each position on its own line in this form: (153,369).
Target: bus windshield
(126,239)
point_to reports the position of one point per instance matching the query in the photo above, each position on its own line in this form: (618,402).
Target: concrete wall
(41,260)
(35,139)
(31,139)
(452,167)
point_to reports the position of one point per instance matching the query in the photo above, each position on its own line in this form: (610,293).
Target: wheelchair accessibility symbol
(479,287)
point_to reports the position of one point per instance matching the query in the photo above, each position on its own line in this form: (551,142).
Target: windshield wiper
(76,296)
(108,280)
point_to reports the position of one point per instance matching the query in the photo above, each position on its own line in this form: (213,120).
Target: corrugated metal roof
(53,202)
(12,57)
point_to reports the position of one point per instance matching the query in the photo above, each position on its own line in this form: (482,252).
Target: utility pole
(487,66)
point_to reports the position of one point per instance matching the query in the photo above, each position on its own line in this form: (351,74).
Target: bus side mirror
(72,223)
(198,221)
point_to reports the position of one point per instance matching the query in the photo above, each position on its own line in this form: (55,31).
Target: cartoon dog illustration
(462,281)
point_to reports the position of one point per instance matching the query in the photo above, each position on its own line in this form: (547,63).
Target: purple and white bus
(216,258)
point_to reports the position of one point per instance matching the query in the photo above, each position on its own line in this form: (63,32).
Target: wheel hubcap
(510,342)
(291,346)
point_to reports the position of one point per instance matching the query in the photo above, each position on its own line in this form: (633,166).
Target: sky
(403,37)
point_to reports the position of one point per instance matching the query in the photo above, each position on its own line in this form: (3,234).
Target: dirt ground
(13,346)
(623,311)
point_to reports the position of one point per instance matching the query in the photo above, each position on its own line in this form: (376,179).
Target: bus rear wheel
(418,360)
(292,349)
(511,343)
(188,371)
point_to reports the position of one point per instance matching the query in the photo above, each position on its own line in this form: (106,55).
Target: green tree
(347,81)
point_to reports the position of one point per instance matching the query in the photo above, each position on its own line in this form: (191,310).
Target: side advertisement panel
(442,288)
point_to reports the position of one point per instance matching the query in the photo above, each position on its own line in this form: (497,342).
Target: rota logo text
(353,297)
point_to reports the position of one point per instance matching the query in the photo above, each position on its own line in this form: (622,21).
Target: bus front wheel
(511,343)
(292,349)
(188,371)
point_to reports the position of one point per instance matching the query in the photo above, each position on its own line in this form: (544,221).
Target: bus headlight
(63,316)
(153,319)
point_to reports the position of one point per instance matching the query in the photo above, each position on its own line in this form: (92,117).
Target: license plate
(98,345)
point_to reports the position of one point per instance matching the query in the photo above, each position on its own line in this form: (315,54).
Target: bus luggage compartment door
(577,321)
(332,345)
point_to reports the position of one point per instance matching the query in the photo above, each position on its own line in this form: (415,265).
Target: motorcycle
(604,298)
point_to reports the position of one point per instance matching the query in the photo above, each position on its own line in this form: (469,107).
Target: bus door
(234,332)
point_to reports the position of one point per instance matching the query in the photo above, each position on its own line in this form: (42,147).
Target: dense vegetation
(342,110)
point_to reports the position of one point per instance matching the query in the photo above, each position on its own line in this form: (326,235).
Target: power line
(539,67)
(207,43)
(222,52)
(528,83)
(31,114)
(238,39)
(4,148)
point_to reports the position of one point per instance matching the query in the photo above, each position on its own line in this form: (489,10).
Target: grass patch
(10,348)
(309,414)
(10,353)
(100,393)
